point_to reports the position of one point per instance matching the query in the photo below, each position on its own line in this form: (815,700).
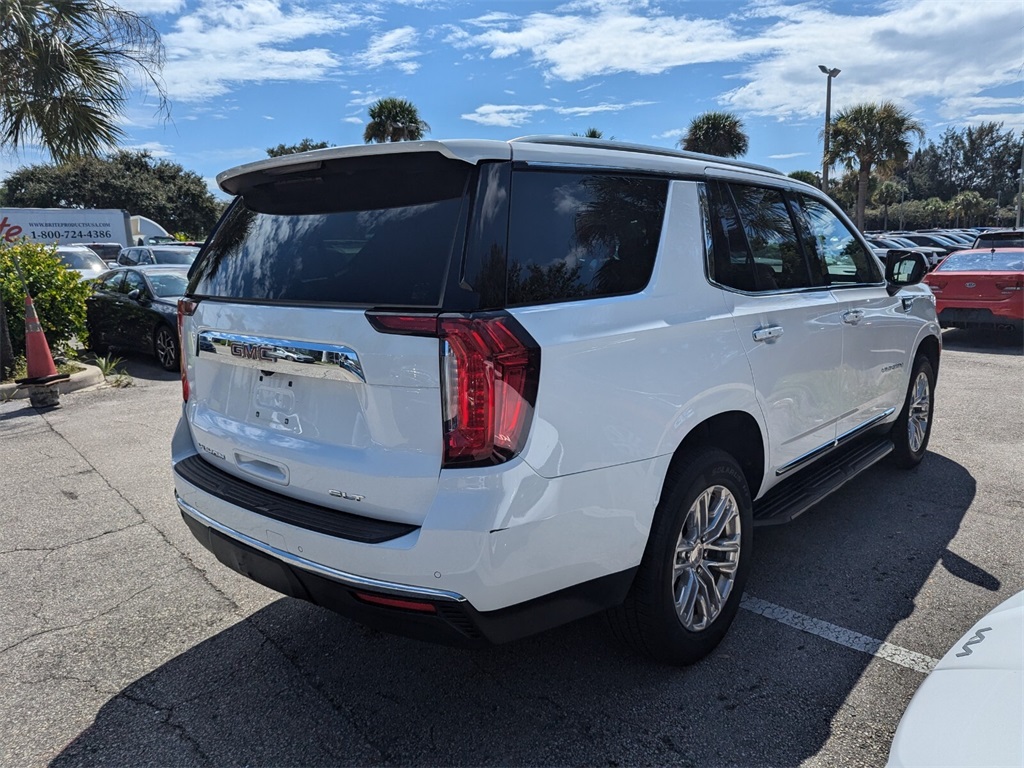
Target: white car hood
(970,710)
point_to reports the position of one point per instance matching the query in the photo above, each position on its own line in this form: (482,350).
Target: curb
(90,377)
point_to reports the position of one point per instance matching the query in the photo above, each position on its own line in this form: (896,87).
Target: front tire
(165,348)
(689,584)
(913,427)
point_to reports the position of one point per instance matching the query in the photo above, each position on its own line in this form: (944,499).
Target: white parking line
(837,634)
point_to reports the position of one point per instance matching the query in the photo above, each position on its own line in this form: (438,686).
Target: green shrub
(57,293)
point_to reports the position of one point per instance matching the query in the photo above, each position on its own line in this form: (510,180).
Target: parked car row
(977,276)
(114,254)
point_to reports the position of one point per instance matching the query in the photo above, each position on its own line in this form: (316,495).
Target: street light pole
(830,73)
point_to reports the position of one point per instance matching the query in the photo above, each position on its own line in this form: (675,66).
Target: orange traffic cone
(37,351)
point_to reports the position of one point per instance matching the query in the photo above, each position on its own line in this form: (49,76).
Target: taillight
(186,308)
(935,285)
(1009,286)
(490,367)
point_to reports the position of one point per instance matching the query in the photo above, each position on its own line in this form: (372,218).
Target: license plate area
(274,402)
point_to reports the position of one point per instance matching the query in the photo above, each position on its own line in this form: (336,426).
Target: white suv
(549,377)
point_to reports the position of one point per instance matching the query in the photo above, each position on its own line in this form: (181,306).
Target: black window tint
(176,254)
(112,282)
(133,281)
(377,231)
(575,235)
(772,237)
(731,262)
(845,260)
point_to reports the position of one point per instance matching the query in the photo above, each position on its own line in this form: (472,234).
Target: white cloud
(596,108)
(157,149)
(353,120)
(674,133)
(607,38)
(227,42)
(788,155)
(517,115)
(395,48)
(917,49)
(905,50)
(503,115)
(363,99)
(152,7)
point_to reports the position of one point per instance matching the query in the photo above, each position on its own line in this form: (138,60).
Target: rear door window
(755,242)
(581,235)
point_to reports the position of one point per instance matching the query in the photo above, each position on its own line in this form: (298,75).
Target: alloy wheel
(166,349)
(920,412)
(706,557)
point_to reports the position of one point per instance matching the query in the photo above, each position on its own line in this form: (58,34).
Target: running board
(806,488)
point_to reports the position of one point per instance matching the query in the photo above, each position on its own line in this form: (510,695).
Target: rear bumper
(424,614)
(493,540)
(980,317)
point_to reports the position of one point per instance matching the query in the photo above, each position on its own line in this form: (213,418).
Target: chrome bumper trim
(348,579)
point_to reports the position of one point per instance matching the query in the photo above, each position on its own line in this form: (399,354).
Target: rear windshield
(993,261)
(176,254)
(1000,240)
(83,259)
(371,231)
(167,284)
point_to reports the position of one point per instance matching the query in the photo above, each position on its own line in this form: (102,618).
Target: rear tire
(913,427)
(689,584)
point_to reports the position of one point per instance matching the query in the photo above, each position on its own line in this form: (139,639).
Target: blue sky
(244,75)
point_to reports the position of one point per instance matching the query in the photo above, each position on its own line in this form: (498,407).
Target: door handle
(770,333)
(853,316)
(908,303)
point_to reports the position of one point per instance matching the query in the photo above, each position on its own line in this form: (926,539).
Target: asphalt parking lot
(123,642)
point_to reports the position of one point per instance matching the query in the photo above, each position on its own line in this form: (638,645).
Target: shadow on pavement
(989,341)
(136,365)
(296,685)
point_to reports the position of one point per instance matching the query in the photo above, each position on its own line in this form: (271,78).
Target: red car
(982,288)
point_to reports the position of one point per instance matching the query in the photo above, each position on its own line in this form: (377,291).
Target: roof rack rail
(623,146)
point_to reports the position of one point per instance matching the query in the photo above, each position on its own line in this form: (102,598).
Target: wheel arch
(738,434)
(932,349)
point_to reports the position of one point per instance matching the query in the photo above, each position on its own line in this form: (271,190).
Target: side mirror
(904,268)
(135,295)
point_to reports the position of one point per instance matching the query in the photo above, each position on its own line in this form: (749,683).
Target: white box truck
(65,225)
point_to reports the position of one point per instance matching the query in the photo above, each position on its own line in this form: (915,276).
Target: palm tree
(967,204)
(716,133)
(590,133)
(871,136)
(66,67)
(394,119)
(937,210)
(889,192)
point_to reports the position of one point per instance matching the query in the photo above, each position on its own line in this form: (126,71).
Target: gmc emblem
(252,351)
